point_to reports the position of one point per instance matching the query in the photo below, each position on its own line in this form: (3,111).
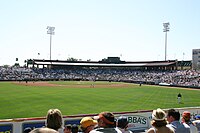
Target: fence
(138,120)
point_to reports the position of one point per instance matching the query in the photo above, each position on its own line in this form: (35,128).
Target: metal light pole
(166,29)
(51,32)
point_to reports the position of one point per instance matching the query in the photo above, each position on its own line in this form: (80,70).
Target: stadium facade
(110,62)
(196,59)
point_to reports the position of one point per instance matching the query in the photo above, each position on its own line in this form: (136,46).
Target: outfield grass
(19,101)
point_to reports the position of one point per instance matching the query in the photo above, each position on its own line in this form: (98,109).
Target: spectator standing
(179,96)
(186,116)
(122,124)
(159,122)
(54,120)
(87,124)
(173,117)
(106,123)
(196,122)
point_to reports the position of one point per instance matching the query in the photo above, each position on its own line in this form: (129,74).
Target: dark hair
(159,123)
(110,117)
(174,113)
(74,128)
(54,119)
(69,126)
(122,122)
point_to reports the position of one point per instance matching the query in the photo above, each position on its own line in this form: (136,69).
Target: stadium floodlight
(166,29)
(50,30)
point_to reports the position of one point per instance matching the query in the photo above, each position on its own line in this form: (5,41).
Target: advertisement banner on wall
(32,125)
(72,121)
(7,128)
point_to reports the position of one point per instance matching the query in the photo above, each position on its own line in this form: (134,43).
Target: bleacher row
(187,78)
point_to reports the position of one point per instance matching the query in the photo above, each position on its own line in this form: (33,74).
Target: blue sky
(97,29)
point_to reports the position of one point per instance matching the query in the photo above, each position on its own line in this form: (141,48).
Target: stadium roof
(103,64)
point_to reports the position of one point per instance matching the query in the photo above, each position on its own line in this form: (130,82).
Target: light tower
(166,29)
(50,30)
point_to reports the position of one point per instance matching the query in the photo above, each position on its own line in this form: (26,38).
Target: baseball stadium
(86,88)
(99,66)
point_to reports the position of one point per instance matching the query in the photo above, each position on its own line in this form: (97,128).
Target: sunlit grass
(19,101)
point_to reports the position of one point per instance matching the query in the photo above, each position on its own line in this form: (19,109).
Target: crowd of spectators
(172,77)
(169,121)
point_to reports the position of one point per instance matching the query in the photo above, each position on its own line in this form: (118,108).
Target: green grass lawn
(19,101)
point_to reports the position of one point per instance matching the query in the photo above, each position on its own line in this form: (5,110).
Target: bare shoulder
(43,130)
(171,130)
(151,130)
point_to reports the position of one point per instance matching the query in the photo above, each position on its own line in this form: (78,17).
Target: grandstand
(172,73)
(110,62)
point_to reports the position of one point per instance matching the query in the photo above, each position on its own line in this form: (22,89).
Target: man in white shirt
(173,117)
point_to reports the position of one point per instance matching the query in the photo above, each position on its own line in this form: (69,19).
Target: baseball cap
(107,117)
(27,130)
(87,121)
(122,122)
(186,115)
(68,126)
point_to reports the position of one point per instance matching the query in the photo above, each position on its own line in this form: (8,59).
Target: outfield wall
(138,120)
